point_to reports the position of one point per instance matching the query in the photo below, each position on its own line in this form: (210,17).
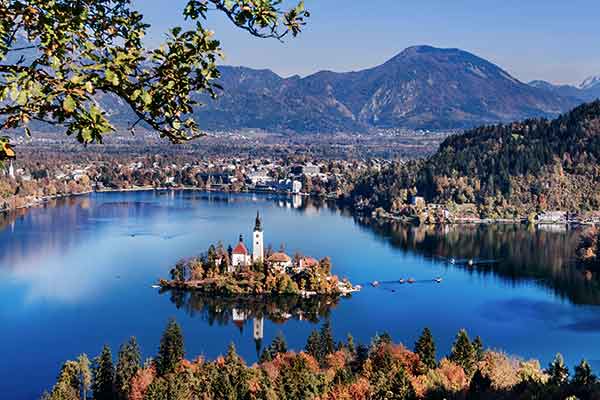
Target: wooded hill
(507,170)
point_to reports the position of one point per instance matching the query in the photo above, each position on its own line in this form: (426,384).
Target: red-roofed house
(280,261)
(240,256)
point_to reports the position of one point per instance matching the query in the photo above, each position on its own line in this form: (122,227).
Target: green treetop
(558,371)
(104,376)
(583,375)
(463,353)
(425,348)
(171,349)
(128,364)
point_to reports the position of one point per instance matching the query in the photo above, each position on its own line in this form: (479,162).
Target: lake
(78,273)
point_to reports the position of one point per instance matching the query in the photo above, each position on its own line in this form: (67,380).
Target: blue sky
(554,40)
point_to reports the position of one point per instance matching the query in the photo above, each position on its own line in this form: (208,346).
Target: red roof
(240,249)
(280,258)
(309,262)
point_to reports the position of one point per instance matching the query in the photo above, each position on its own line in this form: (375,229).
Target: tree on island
(58,57)
(171,350)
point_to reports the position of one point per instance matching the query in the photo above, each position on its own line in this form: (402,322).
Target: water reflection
(238,311)
(545,256)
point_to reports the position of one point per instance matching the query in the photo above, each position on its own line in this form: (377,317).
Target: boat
(438,279)
(155,286)
(375,283)
(470,262)
(401,280)
(452,261)
(411,280)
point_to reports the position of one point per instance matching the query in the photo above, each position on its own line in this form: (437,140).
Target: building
(258,250)
(280,261)
(552,217)
(239,256)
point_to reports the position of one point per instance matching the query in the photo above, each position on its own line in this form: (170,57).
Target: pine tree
(327,343)
(557,370)
(313,345)
(104,376)
(171,349)
(478,348)
(583,375)
(85,374)
(425,349)
(463,353)
(67,384)
(128,365)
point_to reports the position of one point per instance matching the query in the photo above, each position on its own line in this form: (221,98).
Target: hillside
(507,170)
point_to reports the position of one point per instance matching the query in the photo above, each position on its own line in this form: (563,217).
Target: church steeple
(258,251)
(258,223)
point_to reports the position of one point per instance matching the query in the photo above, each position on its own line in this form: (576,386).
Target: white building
(280,261)
(240,256)
(258,250)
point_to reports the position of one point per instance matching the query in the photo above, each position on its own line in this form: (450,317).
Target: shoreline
(381,216)
(386,216)
(200,287)
(45,199)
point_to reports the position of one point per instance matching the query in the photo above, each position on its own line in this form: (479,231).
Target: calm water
(77,274)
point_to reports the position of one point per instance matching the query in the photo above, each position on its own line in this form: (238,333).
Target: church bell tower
(258,251)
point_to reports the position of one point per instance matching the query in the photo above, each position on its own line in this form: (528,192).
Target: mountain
(588,90)
(422,87)
(590,83)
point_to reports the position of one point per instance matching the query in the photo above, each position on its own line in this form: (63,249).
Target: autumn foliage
(383,370)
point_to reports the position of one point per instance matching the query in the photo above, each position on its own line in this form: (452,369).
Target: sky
(553,40)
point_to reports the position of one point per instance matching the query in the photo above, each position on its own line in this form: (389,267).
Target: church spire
(258,224)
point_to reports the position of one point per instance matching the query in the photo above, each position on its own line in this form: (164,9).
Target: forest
(505,170)
(324,369)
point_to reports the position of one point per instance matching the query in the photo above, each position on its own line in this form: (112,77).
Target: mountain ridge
(422,87)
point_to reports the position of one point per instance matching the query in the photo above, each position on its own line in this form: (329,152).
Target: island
(237,272)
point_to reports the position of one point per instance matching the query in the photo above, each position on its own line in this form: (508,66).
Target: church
(241,257)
